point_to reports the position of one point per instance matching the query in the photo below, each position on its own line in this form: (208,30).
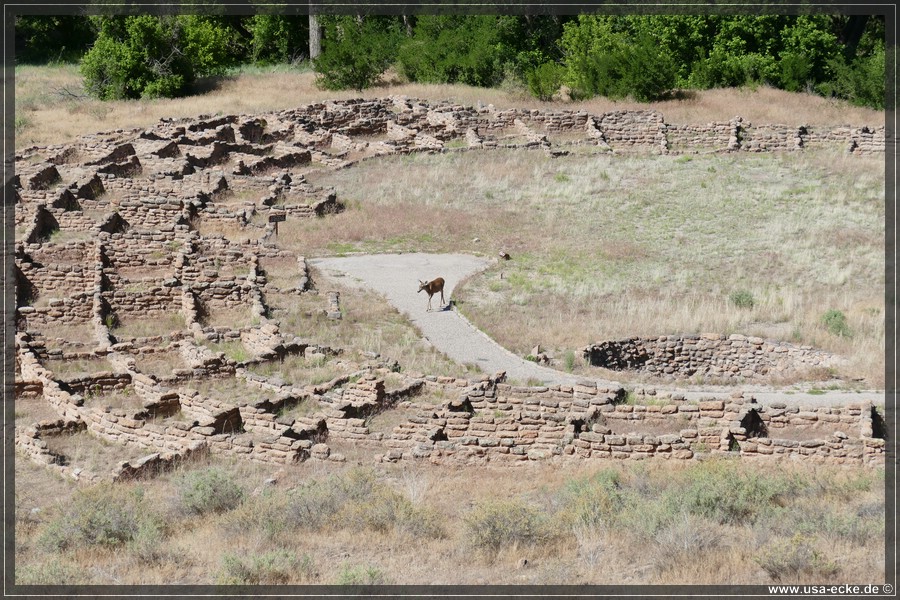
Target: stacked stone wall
(712,355)
(640,130)
(713,137)
(157,301)
(679,430)
(99,382)
(57,279)
(143,247)
(770,138)
(73,220)
(72,310)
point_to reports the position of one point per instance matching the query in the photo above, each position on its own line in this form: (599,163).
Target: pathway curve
(396,276)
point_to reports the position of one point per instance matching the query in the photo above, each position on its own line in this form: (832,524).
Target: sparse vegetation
(276,567)
(103,515)
(742,299)
(836,323)
(624,285)
(756,525)
(208,491)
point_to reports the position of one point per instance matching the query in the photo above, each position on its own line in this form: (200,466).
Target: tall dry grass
(52,108)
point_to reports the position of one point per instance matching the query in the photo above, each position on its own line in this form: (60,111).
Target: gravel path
(396,277)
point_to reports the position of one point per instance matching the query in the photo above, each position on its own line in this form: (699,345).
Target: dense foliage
(355,52)
(52,38)
(147,57)
(646,57)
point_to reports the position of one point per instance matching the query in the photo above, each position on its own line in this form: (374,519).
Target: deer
(431,288)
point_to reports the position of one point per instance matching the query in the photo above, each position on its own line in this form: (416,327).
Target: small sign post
(277,218)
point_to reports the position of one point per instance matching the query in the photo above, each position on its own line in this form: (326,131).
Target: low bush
(355,53)
(276,567)
(788,560)
(387,510)
(742,299)
(836,323)
(495,524)
(148,56)
(206,491)
(592,501)
(360,575)
(103,515)
(721,491)
(545,80)
(684,537)
(51,572)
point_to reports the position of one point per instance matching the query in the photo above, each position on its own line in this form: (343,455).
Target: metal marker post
(277,218)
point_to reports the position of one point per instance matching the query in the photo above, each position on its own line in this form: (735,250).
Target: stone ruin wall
(136,193)
(710,355)
(497,425)
(490,422)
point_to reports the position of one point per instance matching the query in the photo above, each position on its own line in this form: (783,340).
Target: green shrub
(148,541)
(569,361)
(470,49)
(315,504)
(843,525)
(602,59)
(808,44)
(860,80)
(354,54)
(278,38)
(836,323)
(742,299)
(277,567)
(545,80)
(57,38)
(719,490)
(387,510)
(51,572)
(357,500)
(360,575)
(147,56)
(683,536)
(206,491)
(103,515)
(499,523)
(591,501)
(268,513)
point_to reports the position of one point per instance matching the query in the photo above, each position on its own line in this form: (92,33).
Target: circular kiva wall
(709,354)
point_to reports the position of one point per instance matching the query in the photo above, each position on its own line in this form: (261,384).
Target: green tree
(278,38)
(355,52)
(46,38)
(743,50)
(808,45)
(147,56)
(605,56)
(470,49)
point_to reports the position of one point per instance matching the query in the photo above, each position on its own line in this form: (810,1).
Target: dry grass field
(606,247)
(602,247)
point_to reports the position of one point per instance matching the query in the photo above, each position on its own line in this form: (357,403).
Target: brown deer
(432,288)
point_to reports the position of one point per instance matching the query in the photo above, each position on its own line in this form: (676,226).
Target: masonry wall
(679,430)
(713,355)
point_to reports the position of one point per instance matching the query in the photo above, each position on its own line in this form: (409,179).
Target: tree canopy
(645,57)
